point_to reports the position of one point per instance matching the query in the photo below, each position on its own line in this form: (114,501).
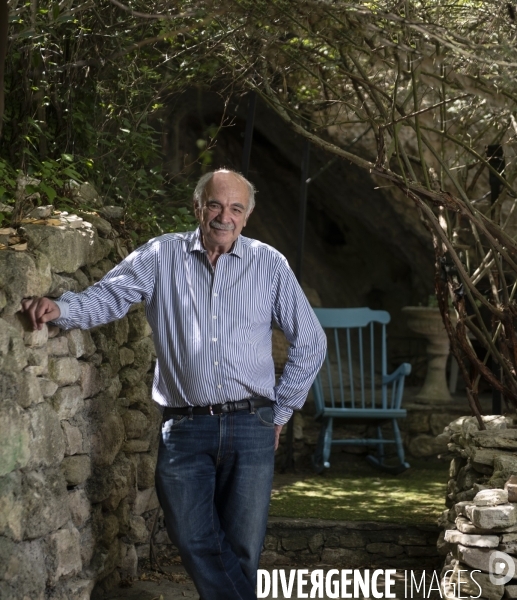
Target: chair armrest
(401,372)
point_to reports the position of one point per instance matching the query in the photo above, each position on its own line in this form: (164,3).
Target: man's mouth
(222,226)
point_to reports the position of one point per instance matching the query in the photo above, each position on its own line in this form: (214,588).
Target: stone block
(123,513)
(90,380)
(479,558)
(13,354)
(68,249)
(80,343)
(11,506)
(127,356)
(37,361)
(145,471)
(465,526)
(22,276)
(506,463)
(10,386)
(416,422)
(48,387)
(294,542)
(138,532)
(45,501)
(438,421)
(67,401)
(353,559)
(22,569)
(490,497)
(47,445)
(107,527)
(63,557)
(132,446)
(136,423)
(462,575)
(138,325)
(110,484)
(510,591)
(80,507)
(14,433)
(477,541)
(64,371)
(117,331)
(36,338)
(490,517)
(511,488)
(386,549)
(427,445)
(107,435)
(144,353)
(145,500)
(353,539)
(58,346)
(128,560)
(88,543)
(482,459)
(421,551)
(73,438)
(29,390)
(501,438)
(76,469)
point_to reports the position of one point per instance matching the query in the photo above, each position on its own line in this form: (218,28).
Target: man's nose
(225,213)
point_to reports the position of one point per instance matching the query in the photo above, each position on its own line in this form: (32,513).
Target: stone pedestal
(428,322)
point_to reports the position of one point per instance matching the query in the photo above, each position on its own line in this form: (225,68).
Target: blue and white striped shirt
(211,327)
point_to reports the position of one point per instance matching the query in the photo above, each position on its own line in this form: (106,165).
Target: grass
(358,492)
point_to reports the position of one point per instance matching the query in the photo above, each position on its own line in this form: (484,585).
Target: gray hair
(205,179)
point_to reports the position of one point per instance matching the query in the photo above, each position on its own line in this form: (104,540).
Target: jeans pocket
(173,422)
(265,415)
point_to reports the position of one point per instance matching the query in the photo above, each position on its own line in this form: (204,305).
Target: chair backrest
(351,375)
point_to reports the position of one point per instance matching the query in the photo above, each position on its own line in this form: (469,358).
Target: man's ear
(197,211)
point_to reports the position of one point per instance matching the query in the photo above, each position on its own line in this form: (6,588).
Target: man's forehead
(224,183)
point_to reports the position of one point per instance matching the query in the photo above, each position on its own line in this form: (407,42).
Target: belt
(218,409)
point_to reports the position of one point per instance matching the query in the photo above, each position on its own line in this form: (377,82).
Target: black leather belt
(218,409)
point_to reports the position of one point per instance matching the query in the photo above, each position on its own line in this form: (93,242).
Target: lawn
(358,492)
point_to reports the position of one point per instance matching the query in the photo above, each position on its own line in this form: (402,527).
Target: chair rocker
(348,385)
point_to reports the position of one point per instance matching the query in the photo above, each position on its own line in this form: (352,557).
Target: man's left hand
(278,429)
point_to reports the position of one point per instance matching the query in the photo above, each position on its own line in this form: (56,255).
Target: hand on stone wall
(40,311)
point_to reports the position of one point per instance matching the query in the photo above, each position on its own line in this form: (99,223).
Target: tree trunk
(4,22)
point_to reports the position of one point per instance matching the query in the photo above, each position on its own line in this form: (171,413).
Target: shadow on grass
(357,492)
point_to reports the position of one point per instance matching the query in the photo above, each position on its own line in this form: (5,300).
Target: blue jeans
(213,478)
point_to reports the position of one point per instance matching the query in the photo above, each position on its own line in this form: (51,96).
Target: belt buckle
(211,409)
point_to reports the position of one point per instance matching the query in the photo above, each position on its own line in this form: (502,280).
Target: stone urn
(427,321)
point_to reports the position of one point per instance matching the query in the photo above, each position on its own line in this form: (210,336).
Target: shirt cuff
(64,308)
(281,415)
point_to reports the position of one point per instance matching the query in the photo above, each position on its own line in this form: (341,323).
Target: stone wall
(76,422)
(481,517)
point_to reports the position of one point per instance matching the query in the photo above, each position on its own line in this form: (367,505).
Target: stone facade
(481,514)
(78,427)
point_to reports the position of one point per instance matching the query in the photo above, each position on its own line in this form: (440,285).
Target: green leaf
(50,192)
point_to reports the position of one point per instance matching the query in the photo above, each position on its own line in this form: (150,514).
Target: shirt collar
(195,244)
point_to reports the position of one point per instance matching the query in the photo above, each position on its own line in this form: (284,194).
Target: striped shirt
(212,327)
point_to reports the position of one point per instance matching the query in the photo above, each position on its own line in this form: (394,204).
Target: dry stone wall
(77,425)
(481,518)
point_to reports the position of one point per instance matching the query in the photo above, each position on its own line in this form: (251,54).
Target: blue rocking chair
(348,386)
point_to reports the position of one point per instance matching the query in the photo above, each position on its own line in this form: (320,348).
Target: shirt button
(216,294)
(214,339)
(216,363)
(214,317)
(219,386)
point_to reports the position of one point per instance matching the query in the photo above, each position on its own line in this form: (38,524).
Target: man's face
(224,211)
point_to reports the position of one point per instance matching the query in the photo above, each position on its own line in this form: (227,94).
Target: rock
(136,446)
(466,478)
(127,356)
(479,558)
(73,439)
(461,507)
(490,517)
(58,346)
(468,588)
(81,279)
(41,212)
(145,471)
(80,507)
(506,464)
(107,432)
(145,500)
(416,422)
(37,359)
(36,338)
(477,541)
(510,591)
(90,380)
(511,488)
(351,558)
(482,460)
(138,325)
(87,547)
(102,226)
(80,343)
(76,589)
(76,469)
(64,371)
(144,354)
(14,433)
(108,528)
(23,276)
(47,445)
(138,532)
(110,484)
(438,421)
(502,438)
(386,549)
(85,193)
(45,501)
(136,423)
(67,249)
(63,555)
(48,387)
(113,213)
(491,498)
(22,569)
(465,526)
(67,401)
(61,284)
(13,355)
(30,392)
(128,560)
(11,506)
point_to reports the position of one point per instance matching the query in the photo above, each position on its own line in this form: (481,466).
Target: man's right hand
(40,311)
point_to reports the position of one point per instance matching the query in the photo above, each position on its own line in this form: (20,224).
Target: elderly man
(211,296)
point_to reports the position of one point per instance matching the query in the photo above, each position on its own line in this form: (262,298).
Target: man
(211,296)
